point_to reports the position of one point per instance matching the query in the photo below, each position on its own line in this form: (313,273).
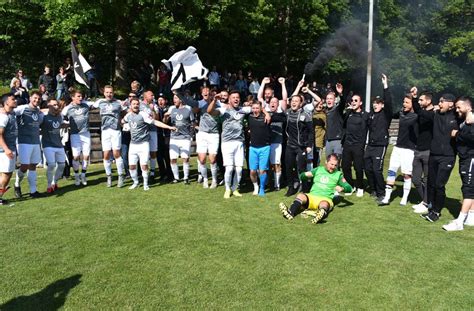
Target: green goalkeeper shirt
(325,182)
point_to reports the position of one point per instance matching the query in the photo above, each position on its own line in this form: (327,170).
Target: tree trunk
(285,22)
(121,53)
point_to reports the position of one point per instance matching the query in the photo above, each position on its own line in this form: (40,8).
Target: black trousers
(163,157)
(439,170)
(420,173)
(373,166)
(353,155)
(295,164)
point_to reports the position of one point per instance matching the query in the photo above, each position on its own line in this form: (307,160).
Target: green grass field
(178,246)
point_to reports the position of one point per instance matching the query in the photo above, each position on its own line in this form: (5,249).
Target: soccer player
(207,139)
(326,179)
(77,114)
(379,123)
(181,117)
(465,147)
(29,118)
(442,152)
(8,136)
(403,152)
(422,153)
(111,133)
(276,144)
(355,125)
(335,121)
(232,140)
(260,138)
(149,105)
(139,123)
(52,146)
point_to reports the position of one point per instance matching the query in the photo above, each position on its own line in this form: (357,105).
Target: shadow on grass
(52,297)
(341,201)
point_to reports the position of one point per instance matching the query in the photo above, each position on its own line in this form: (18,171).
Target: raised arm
(265,81)
(298,88)
(387,98)
(315,96)
(211,109)
(342,99)
(284,94)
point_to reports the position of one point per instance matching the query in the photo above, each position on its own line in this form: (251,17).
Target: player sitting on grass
(325,179)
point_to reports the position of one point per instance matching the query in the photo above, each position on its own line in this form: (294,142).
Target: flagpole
(369,57)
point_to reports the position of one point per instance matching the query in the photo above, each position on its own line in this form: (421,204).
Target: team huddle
(289,133)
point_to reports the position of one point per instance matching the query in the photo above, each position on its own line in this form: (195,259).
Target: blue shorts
(259,158)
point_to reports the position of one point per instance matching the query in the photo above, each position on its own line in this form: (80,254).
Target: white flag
(186,67)
(81,66)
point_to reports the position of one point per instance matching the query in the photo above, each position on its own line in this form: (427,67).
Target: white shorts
(207,142)
(153,141)
(111,139)
(401,158)
(54,155)
(7,165)
(233,153)
(139,152)
(275,153)
(81,143)
(179,148)
(29,154)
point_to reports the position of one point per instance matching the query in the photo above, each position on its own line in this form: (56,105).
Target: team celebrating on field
(285,136)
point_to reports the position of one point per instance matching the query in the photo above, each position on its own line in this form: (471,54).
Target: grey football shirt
(146,108)
(51,131)
(78,116)
(207,123)
(232,125)
(182,118)
(139,126)
(110,113)
(28,120)
(10,130)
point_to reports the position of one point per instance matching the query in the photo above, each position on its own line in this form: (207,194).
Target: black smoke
(348,42)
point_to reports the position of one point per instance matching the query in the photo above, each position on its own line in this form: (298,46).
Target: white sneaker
(469,219)
(200,179)
(205,183)
(350,193)
(77,180)
(109,181)
(419,205)
(146,188)
(403,202)
(134,186)
(213,184)
(255,191)
(84,180)
(454,225)
(360,193)
(421,209)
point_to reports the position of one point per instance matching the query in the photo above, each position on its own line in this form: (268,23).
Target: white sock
(19,177)
(214,171)
(152,164)
(277,179)
(203,170)
(237,178)
(228,176)
(49,173)
(59,172)
(255,188)
(145,178)
(462,217)
(120,166)
(75,165)
(186,170)
(85,163)
(406,189)
(175,170)
(388,193)
(108,167)
(134,176)
(32,181)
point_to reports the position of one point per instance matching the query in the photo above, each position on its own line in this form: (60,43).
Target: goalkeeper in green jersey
(325,179)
